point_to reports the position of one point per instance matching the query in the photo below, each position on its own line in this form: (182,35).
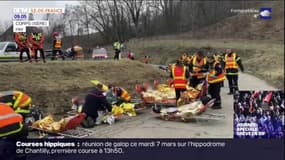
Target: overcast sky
(6,7)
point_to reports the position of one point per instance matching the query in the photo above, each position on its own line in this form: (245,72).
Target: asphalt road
(147,125)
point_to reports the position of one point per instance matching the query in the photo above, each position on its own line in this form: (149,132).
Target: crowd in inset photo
(264,108)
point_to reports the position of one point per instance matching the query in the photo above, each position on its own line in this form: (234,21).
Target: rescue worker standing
(22,42)
(19,101)
(117,48)
(232,63)
(95,101)
(198,69)
(215,80)
(57,44)
(37,40)
(179,73)
(11,123)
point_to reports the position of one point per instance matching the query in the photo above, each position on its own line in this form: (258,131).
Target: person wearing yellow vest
(37,39)
(198,69)
(57,44)
(117,94)
(117,48)
(19,101)
(215,80)
(179,73)
(232,64)
(11,123)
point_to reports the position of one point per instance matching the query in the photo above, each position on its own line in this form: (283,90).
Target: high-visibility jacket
(197,67)
(10,122)
(216,57)
(17,100)
(179,77)
(122,93)
(188,61)
(21,40)
(37,40)
(57,43)
(117,45)
(218,78)
(231,62)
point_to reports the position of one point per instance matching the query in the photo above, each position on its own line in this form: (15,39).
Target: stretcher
(194,111)
(166,101)
(70,130)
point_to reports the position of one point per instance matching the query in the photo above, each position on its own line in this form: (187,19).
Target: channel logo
(265,13)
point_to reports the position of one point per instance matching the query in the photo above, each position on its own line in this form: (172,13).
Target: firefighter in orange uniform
(17,100)
(11,123)
(22,42)
(232,63)
(37,39)
(215,80)
(57,44)
(179,73)
(198,69)
(119,92)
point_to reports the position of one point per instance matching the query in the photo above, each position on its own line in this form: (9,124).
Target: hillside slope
(52,85)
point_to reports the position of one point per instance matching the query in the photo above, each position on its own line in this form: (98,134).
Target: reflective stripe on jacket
(179,73)
(10,122)
(197,66)
(218,78)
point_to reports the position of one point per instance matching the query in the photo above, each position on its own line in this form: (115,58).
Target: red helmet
(55,33)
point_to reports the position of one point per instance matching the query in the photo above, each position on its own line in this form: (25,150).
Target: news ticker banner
(261,149)
(24,17)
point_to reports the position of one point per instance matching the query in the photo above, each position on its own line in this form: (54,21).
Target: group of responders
(45,144)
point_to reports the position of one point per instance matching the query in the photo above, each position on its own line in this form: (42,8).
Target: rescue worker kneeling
(215,79)
(11,123)
(19,101)
(117,95)
(94,107)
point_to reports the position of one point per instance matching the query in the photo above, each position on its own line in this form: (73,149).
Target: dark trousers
(41,52)
(214,90)
(54,51)
(27,52)
(233,82)
(178,93)
(117,52)
(194,81)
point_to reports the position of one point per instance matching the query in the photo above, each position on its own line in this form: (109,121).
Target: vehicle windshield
(2,44)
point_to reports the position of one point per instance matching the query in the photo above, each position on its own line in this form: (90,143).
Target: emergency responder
(117,48)
(117,95)
(179,73)
(37,40)
(11,123)
(145,59)
(188,60)
(232,63)
(217,57)
(57,44)
(17,100)
(215,79)
(198,69)
(23,44)
(95,101)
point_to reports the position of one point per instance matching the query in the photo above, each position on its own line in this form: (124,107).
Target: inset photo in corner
(259,114)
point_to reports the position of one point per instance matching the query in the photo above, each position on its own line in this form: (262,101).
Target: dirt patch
(52,85)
